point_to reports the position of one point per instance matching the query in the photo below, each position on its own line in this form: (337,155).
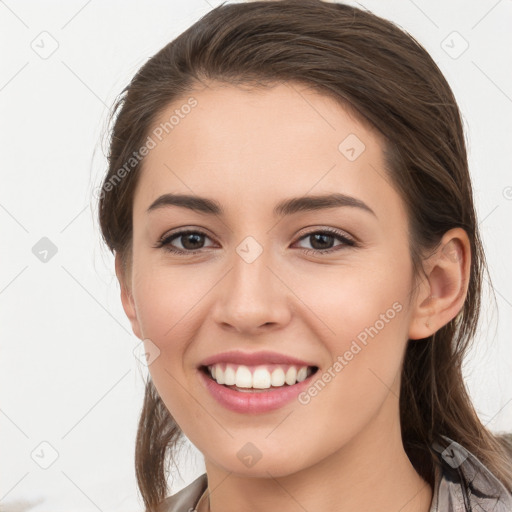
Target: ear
(126,295)
(442,295)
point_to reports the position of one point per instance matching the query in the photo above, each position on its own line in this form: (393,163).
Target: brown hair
(366,63)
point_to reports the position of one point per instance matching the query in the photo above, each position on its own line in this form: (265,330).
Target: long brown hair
(368,64)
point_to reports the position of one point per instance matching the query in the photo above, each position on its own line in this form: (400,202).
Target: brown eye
(322,241)
(191,242)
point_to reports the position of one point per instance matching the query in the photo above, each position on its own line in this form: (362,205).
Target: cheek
(369,323)
(355,301)
(167,312)
(170,309)
(166,301)
(361,318)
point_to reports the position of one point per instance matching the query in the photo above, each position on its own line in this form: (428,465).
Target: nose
(252,297)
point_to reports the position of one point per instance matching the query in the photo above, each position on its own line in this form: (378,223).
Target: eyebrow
(286,207)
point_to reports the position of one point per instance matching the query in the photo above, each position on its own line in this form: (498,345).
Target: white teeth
(278,377)
(229,376)
(291,376)
(219,375)
(260,377)
(243,377)
(302,374)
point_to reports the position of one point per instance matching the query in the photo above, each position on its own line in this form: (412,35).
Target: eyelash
(164,242)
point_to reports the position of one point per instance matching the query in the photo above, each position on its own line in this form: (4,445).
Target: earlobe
(126,296)
(443,293)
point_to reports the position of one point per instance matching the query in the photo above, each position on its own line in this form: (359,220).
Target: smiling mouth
(258,379)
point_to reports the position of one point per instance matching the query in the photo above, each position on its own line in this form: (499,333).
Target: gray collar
(464,484)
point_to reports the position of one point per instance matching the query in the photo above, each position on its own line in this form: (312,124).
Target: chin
(275,465)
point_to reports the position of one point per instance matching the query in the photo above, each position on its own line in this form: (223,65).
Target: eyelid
(172,235)
(311,230)
(185,229)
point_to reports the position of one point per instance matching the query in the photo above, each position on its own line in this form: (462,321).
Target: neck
(371,472)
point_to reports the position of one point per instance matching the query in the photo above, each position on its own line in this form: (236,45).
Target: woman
(289,204)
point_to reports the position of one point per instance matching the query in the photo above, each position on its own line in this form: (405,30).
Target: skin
(249,149)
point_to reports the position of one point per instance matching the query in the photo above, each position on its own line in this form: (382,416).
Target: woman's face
(262,280)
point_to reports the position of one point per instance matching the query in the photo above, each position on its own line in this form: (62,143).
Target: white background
(68,373)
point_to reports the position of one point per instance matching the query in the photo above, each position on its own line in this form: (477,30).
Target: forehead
(246,146)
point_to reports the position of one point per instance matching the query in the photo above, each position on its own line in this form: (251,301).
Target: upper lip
(253,358)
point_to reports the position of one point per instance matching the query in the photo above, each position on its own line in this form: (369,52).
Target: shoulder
(464,483)
(186,499)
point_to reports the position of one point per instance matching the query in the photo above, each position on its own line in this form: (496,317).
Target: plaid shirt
(464,484)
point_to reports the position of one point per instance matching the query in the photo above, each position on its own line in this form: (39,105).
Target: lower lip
(253,402)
